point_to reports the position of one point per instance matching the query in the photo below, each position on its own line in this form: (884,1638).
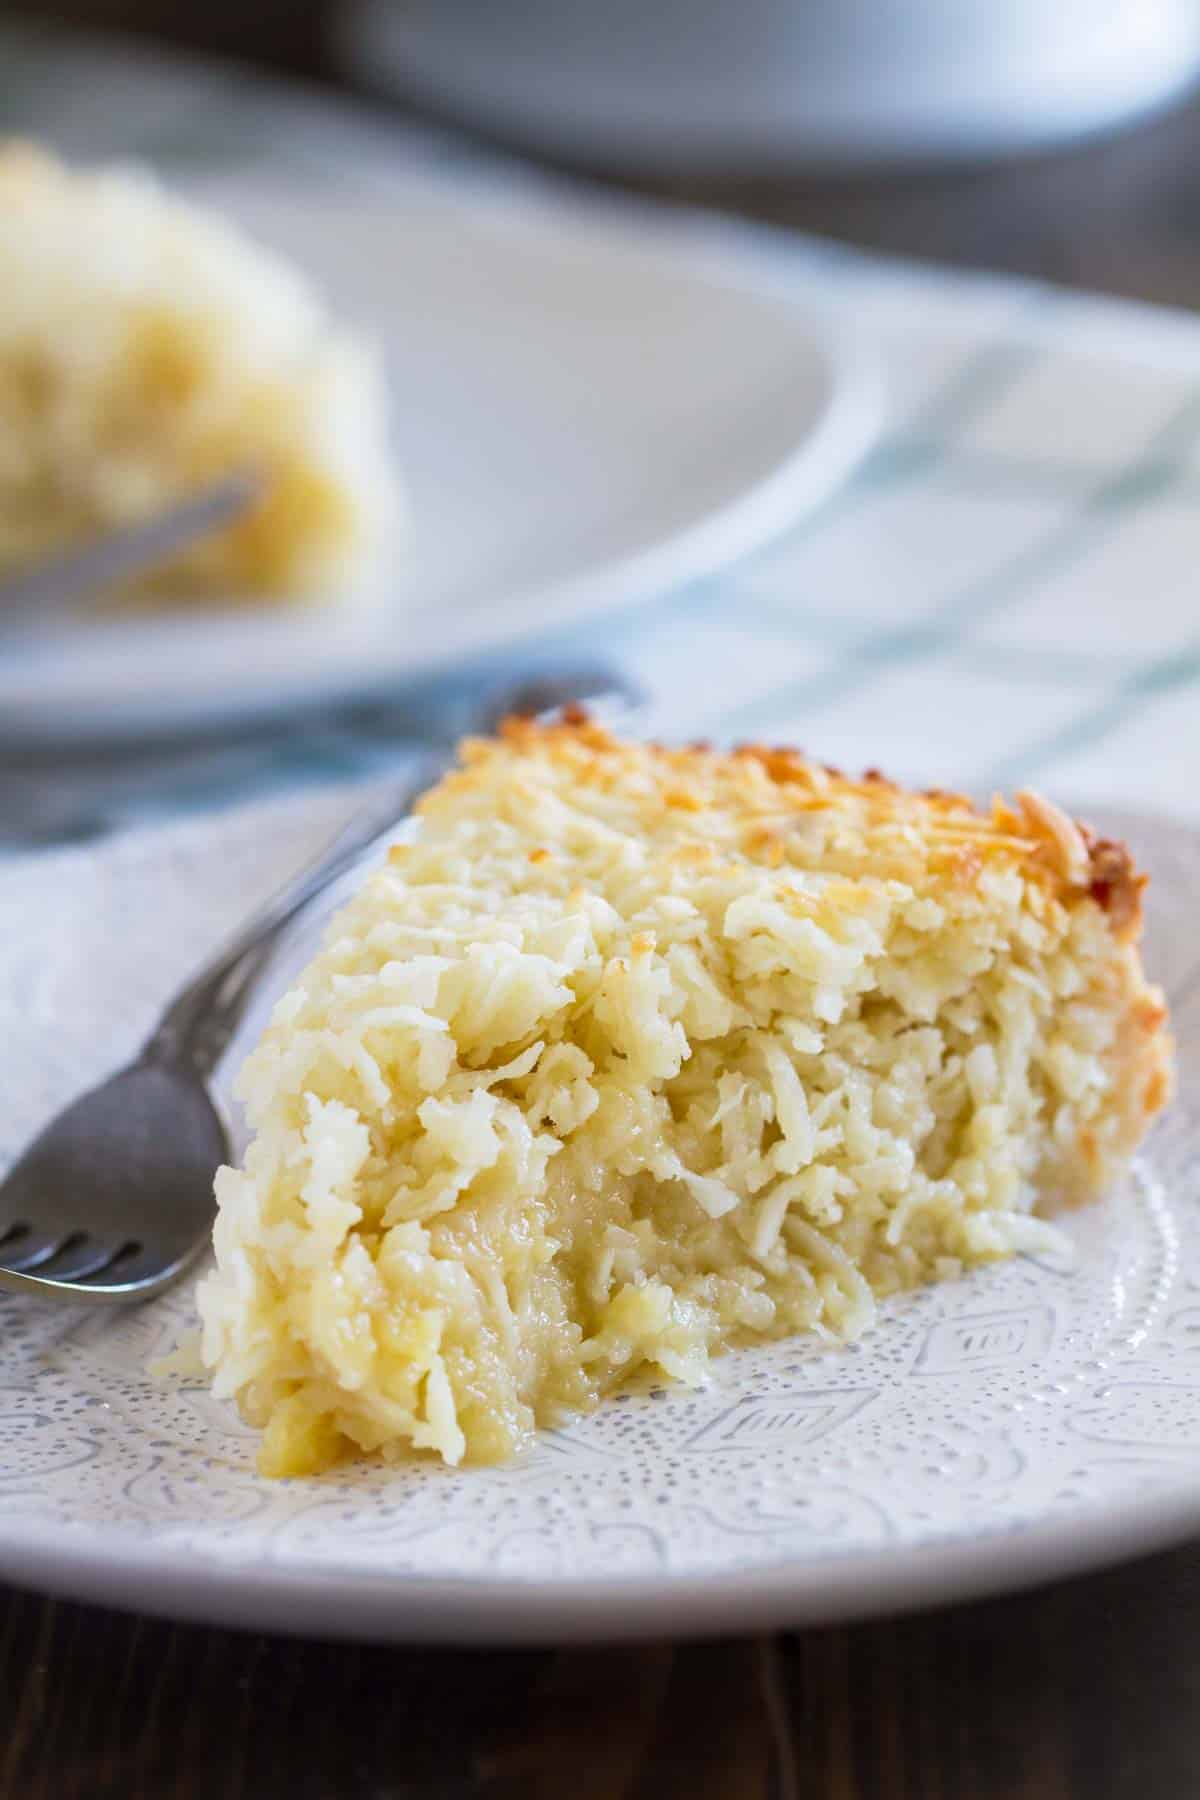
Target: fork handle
(197,1027)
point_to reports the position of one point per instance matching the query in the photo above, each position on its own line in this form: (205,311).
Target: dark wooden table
(1089,1690)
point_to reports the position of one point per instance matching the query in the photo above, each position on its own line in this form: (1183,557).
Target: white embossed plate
(1034,1419)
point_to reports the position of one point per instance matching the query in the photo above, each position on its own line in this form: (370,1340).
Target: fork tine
(29,1249)
(134,1273)
(142,1264)
(80,1256)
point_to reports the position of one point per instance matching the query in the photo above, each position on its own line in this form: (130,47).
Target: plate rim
(79,1563)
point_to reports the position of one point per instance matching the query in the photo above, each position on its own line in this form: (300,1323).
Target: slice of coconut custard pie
(631,1055)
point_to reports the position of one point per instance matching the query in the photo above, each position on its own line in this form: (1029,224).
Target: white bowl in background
(694,83)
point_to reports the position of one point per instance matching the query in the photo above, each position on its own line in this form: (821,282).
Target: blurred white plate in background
(584,419)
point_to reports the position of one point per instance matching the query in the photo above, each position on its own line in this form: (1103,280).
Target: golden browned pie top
(774,805)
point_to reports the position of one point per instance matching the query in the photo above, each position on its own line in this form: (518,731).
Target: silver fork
(40,596)
(113,1201)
